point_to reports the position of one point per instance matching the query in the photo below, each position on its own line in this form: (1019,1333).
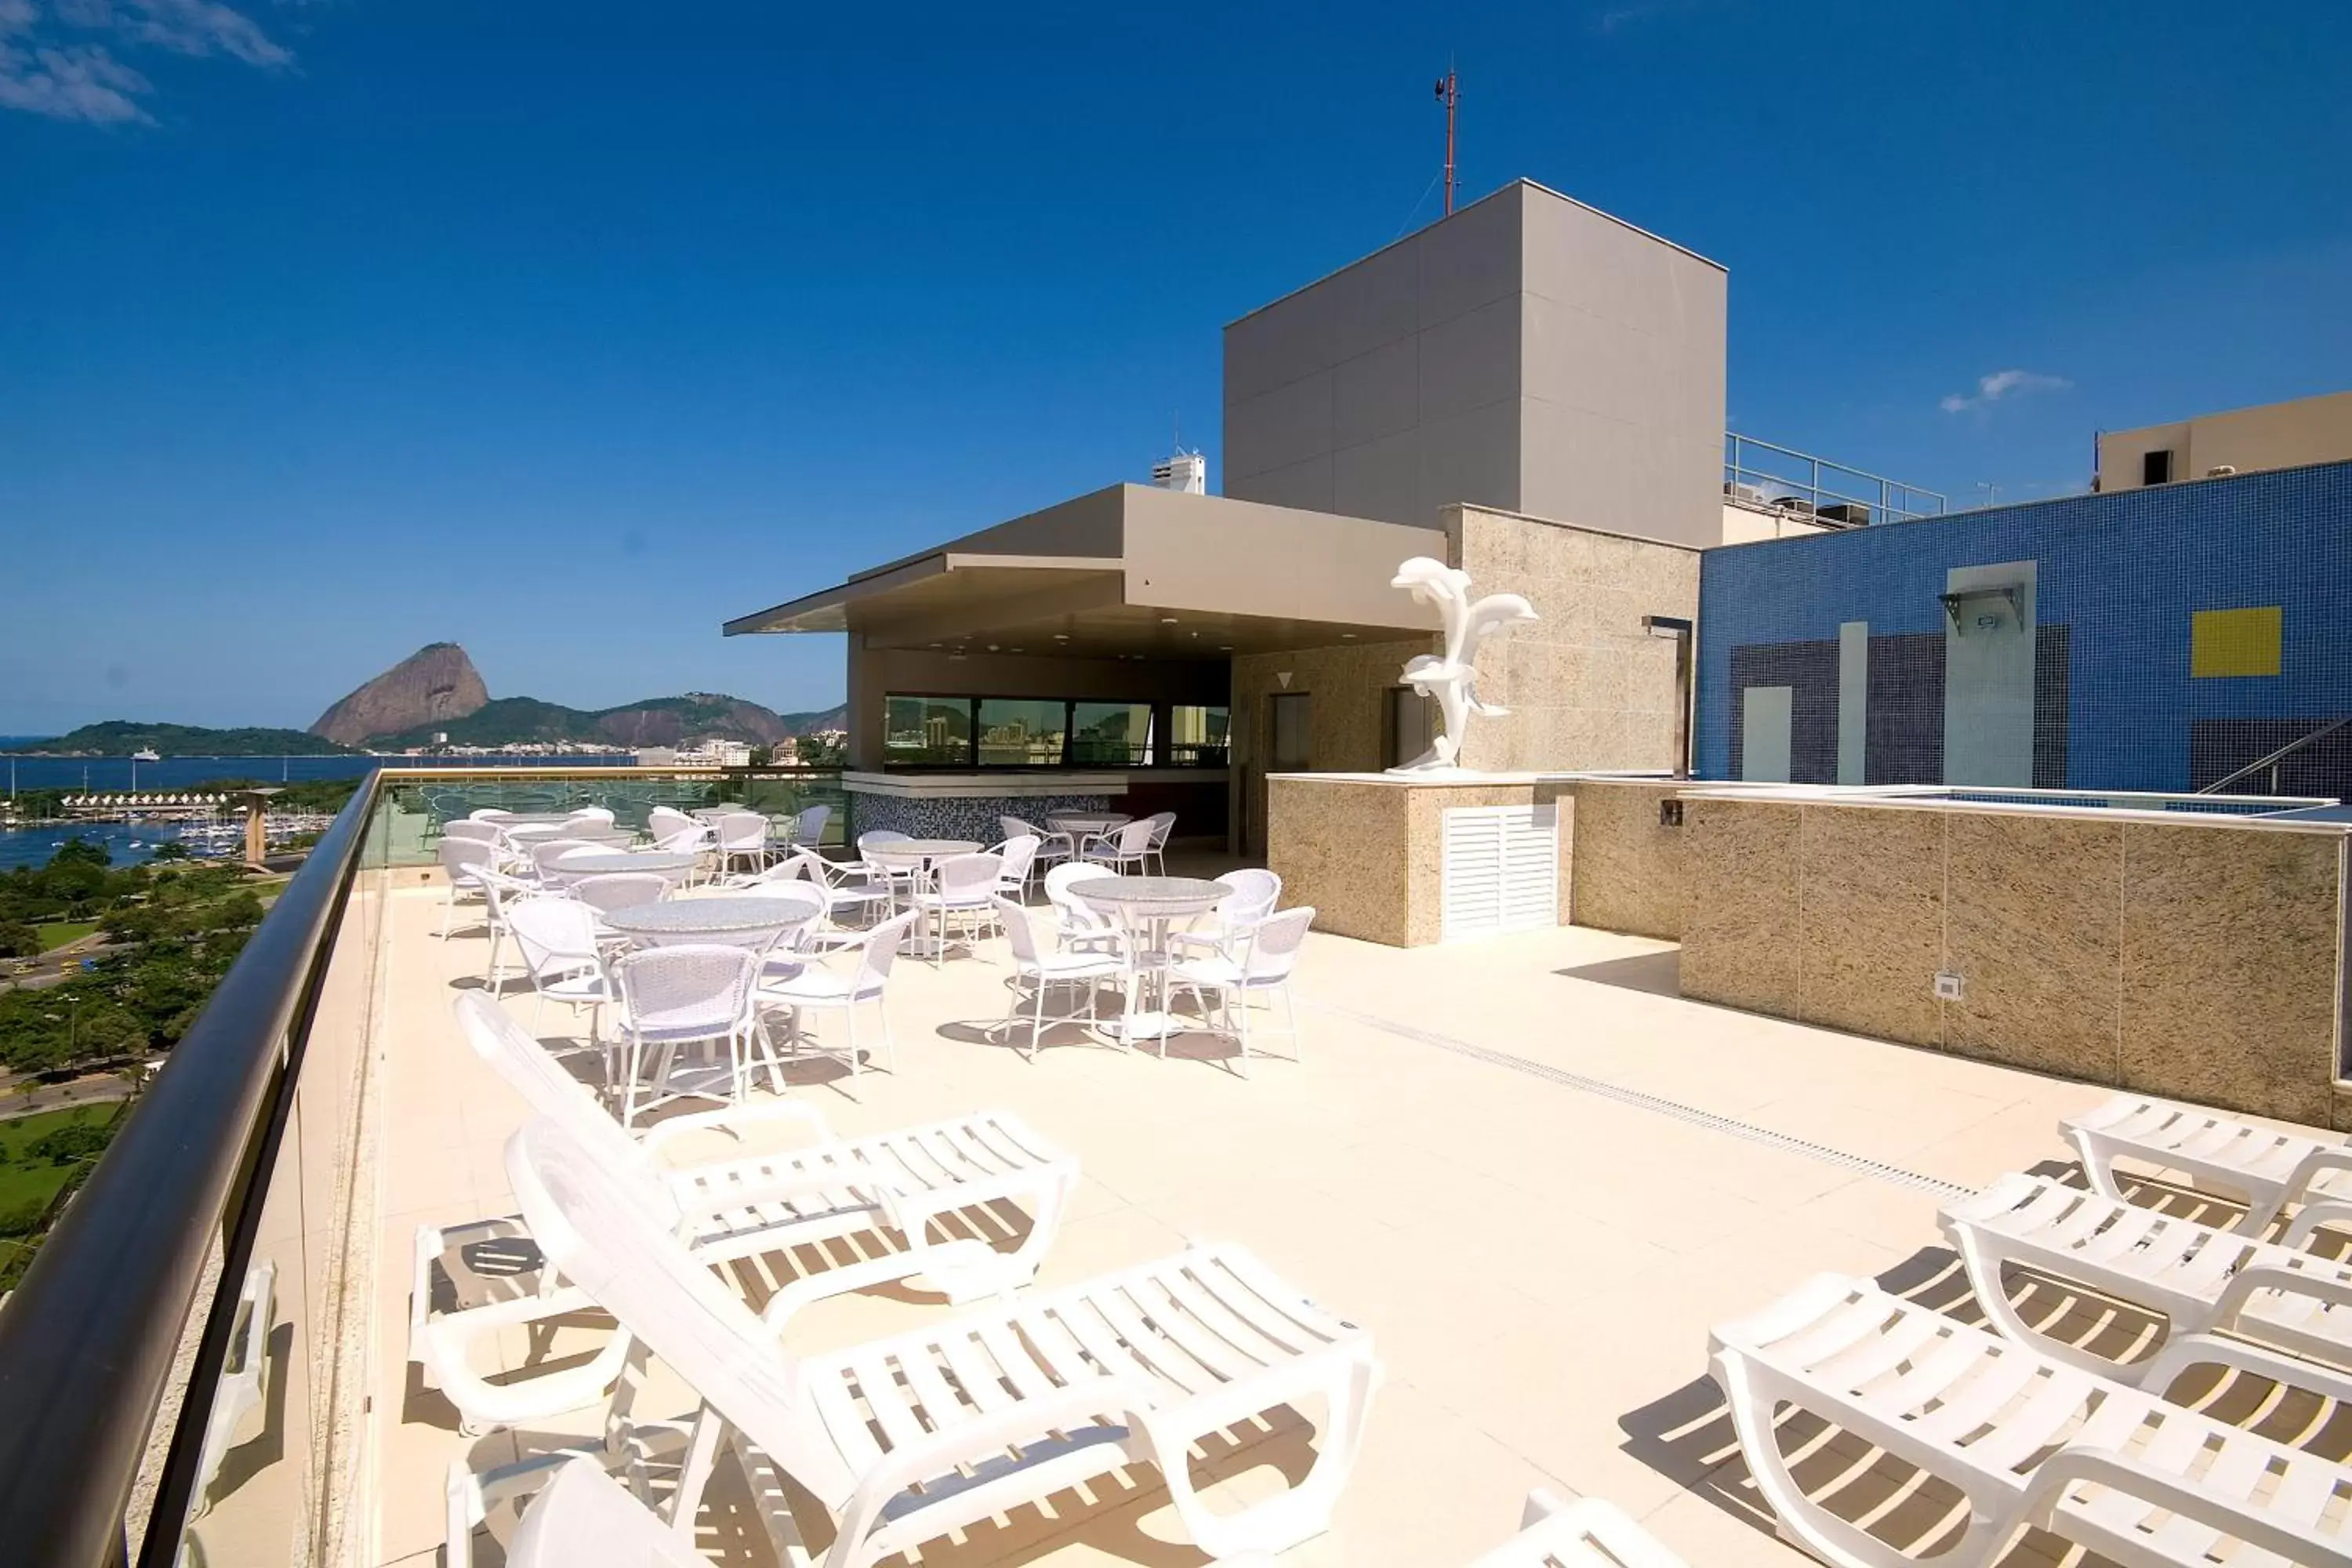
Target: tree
(19,940)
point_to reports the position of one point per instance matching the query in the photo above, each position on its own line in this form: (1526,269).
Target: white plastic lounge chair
(906,1440)
(2266,1169)
(467,827)
(585,1519)
(1041,972)
(1591,1532)
(738,1205)
(808,827)
(245,1376)
(1262,961)
(2027,1439)
(2206,1282)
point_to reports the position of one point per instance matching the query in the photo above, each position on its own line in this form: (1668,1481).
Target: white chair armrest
(810,1288)
(663,1133)
(2136,1479)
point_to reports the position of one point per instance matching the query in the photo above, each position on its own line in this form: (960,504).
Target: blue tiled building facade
(2154,638)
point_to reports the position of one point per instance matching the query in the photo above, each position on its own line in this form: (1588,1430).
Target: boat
(146,754)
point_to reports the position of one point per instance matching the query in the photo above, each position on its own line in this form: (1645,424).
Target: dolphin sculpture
(1451,678)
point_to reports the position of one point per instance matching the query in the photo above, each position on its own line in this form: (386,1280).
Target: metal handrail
(89,1339)
(2275,758)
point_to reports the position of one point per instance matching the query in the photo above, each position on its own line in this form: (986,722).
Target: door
(1285,744)
(1411,726)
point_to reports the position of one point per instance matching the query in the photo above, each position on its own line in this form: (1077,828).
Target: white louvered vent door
(1500,869)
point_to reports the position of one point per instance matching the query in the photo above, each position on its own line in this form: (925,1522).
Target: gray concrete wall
(1526,354)
(1391,387)
(1623,350)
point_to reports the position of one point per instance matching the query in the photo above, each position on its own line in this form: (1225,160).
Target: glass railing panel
(278,1456)
(420,802)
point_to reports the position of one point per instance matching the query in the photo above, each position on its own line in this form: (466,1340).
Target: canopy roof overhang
(1132,572)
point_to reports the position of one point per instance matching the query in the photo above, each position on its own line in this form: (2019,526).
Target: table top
(599,863)
(695,917)
(528,818)
(1091,821)
(1145,892)
(930,849)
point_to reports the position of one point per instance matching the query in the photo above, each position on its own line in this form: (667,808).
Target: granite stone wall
(1369,856)
(1627,874)
(2198,959)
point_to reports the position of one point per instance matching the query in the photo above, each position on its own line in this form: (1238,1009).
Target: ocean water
(127,843)
(132,843)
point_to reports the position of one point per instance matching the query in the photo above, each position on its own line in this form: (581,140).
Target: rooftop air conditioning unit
(1752,494)
(1186,471)
(1852,513)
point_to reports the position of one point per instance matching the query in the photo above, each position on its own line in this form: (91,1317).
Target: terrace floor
(1534,1171)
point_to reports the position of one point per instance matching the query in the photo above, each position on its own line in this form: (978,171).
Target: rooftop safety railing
(185,1368)
(1799,483)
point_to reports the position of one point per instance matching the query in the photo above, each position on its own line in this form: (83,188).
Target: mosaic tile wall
(2180,632)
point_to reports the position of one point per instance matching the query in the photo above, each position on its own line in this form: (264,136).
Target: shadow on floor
(1660,973)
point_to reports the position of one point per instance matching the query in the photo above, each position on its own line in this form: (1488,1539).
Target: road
(95,1089)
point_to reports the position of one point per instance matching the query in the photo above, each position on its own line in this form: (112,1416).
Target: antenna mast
(1449,93)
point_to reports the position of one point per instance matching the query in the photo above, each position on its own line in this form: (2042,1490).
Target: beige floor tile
(1538,1264)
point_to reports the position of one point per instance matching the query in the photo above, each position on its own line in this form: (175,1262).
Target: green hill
(120,737)
(657,722)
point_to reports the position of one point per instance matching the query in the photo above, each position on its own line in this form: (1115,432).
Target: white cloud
(74,82)
(2001,383)
(43,70)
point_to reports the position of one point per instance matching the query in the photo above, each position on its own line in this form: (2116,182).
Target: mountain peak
(436,683)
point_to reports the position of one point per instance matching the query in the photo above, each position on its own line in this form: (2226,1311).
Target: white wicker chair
(1163,824)
(1079,926)
(557,938)
(1053,847)
(460,858)
(819,989)
(1041,972)
(691,994)
(1262,958)
(961,890)
(1124,850)
(741,836)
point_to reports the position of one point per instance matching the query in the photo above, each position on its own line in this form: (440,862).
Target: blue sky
(567,332)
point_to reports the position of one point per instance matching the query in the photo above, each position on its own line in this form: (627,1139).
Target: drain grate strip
(1690,1115)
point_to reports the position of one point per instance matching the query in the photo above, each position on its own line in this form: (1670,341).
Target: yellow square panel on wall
(2234,642)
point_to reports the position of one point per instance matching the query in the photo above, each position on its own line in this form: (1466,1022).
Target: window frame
(1158,755)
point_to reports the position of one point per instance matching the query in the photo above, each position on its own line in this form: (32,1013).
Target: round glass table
(608,862)
(1146,908)
(737,921)
(1086,824)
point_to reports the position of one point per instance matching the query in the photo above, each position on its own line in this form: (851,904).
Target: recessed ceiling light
(1020,650)
(1346,636)
(1224,648)
(935,645)
(991,648)
(1166,620)
(1061,636)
